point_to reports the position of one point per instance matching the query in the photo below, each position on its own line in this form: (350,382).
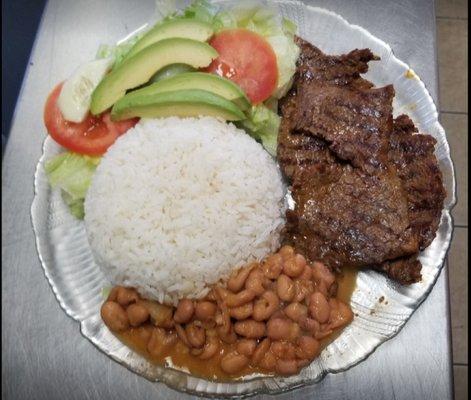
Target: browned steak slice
(417,166)
(346,217)
(356,123)
(405,270)
(339,70)
(328,120)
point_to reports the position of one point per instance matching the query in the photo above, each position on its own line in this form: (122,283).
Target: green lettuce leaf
(263,124)
(258,17)
(278,31)
(72,173)
(119,51)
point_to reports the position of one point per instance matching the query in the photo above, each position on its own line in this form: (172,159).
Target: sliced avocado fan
(197,80)
(180,103)
(138,69)
(185,28)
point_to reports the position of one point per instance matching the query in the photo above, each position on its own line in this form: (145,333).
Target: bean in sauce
(273,317)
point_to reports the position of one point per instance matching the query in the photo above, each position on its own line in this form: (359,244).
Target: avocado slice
(171,70)
(180,103)
(198,80)
(140,68)
(184,28)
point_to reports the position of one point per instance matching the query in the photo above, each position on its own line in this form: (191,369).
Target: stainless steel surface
(78,281)
(44,356)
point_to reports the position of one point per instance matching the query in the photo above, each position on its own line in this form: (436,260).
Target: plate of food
(242,197)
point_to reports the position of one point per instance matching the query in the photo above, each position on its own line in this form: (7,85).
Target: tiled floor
(452,37)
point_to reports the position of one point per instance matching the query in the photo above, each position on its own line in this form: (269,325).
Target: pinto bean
(205,310)
(114,316)
(284,350)
(182,335)
(307,273)
(126,296)
(137,314)
(250,329)
(237,281)
(303,362)
(210,349)
(273,266)
(286,367)
(321,272)
(302,289)
(295,331)
(228,337)
(184,311)
(308,347)
(268,361)
(246,347)
(279,329)
(286,252)
(295,311)
(255,282)
(236,300)
(309,324)
(210,324)
(160,314)
(265,306)
(260,351)
(323,332)
(340,314)
(211,296)
(319,307)
(113,295)
(294,266)
(333,289)
(233,363)
(223,321)
(242,312)
(285,288)
(278,314)
(196,335)
(322,287)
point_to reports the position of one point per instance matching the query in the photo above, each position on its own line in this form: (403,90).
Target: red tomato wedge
(247,59)
(93,136)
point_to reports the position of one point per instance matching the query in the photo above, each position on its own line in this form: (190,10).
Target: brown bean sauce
(137,338)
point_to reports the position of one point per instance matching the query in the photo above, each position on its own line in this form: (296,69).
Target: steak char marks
(359,179)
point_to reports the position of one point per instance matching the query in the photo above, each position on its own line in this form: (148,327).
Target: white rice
(176,204)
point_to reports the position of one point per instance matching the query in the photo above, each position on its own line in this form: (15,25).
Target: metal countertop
(44,355)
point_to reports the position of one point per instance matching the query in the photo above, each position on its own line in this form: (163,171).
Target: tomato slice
(92,136)
(247,59)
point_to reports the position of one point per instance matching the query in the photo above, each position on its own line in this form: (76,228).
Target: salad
(230,63)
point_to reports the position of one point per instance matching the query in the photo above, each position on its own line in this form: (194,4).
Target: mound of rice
(176,204)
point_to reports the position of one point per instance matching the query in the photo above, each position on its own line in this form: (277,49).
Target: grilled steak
(359,186)
(344,216)
(421,177)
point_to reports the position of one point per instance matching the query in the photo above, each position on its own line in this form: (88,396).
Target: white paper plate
(77,282)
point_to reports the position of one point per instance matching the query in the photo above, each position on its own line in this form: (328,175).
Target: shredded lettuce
(263,121)
(257,16)
(200,10)
(265,20)
(118,51)
(72,173)
(263,124)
